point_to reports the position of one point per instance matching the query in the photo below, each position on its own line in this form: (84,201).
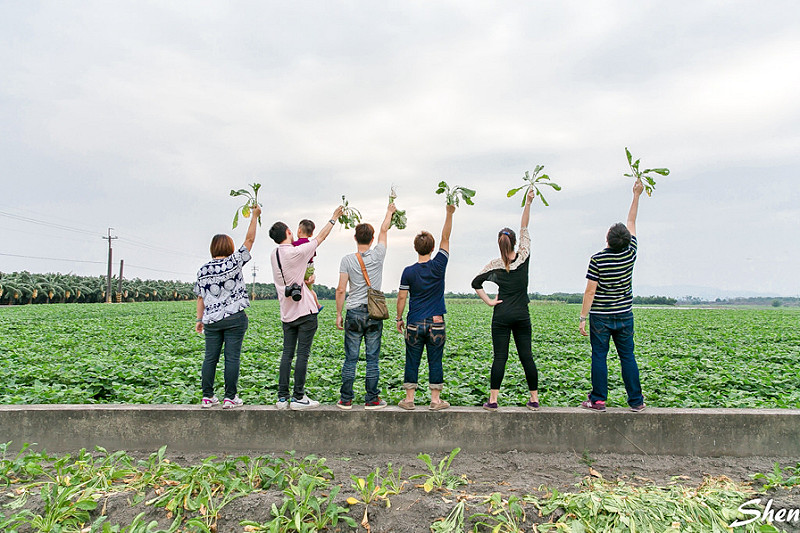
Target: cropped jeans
(230,332)
(357,326)
(419,336)
(297,336)
(602,328)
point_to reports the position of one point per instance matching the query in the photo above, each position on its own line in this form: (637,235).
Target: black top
(512,284)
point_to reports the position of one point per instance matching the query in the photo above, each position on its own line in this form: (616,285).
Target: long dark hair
(506,240)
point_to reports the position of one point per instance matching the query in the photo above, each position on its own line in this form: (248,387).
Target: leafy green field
(149,353)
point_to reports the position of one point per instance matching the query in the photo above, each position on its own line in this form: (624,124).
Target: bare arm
(324,232)
(387,221)
(637,192)
(485,297)
(402,295)
(201,306)
(444,244)
(341,289)
(250,238)
(588,298)
(526,211)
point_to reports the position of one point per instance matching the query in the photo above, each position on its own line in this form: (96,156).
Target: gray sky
(142,116)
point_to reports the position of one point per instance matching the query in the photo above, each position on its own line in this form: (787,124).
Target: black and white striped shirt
(613,272)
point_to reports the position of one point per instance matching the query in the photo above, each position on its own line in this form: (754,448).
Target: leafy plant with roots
(399,219)
(533,181)
(440,476)
(252,201)
(350,216)
(455,194)
(645,176)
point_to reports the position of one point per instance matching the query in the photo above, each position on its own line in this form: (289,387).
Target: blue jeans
(620,328)
(297,335)
(230,332)
(357,326)
(420,335)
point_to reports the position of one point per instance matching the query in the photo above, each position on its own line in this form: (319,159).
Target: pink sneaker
(205,403)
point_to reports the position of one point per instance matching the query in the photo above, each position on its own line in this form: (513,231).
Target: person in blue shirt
(425,328)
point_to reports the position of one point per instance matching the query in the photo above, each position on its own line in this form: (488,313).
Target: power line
(48,224)
(128,265)
(54,259)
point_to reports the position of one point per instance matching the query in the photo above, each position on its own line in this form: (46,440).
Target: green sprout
(350,216)
(399,219)
(644,175)
(453,195)
(533,182)
(252,201)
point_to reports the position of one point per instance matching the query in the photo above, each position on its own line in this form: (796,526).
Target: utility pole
(253,286)
(119,283)
(108,285)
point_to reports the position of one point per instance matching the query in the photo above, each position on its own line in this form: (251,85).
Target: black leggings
(501,337)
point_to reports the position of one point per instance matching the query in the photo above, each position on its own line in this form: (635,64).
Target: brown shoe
(438,406)
(405,404)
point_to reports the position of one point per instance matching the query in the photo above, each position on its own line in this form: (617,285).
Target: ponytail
(506,240)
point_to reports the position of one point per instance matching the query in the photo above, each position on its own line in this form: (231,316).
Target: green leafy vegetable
(350,216)
(399,219)
(252,201)
(453,195)
(644,175)
(533,182)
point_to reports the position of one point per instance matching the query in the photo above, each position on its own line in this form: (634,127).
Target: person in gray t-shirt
(356,323)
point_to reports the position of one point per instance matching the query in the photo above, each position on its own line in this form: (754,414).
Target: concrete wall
(699,432)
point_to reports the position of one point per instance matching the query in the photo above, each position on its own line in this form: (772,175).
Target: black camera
(293,291)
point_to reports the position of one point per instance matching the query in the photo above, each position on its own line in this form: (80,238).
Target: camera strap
(278,257)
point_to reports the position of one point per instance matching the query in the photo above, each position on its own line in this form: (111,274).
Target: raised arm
(638,187)
(324,232)
(526,211)
(250,238)
(387,221)
(444,243)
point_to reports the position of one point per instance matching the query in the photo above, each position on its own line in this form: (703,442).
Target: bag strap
(363,269)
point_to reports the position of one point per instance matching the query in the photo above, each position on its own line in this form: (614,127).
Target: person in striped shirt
(608,302)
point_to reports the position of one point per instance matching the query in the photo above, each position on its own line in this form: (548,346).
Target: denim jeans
(357,326)
(297,335)
(501,338)
(420,335)
(230,332)
(620,328)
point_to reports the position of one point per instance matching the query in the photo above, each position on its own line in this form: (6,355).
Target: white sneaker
(282,403)
(305,403)
(227,403)
(205,403)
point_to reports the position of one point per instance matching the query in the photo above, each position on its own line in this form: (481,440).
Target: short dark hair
(364,233)
(424,243)
(221,245)
(278,232)
(307,226)
(618,237)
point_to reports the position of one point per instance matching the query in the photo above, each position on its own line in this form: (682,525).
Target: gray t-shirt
(373,260)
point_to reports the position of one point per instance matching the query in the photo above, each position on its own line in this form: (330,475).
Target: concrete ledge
(327,430)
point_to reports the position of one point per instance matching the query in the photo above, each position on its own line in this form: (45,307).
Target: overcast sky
(141,116)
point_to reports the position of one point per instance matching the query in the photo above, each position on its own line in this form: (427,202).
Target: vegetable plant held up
(533,181)
(399,219)
(252,201)
(455,194)
(350,216)
(644,175)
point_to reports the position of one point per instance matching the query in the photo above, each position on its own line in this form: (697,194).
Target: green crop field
(149,353)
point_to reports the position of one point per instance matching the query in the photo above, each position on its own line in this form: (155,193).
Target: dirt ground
(515,473)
